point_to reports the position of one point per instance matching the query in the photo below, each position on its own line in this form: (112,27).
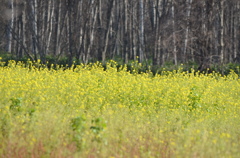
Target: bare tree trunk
(109,18)
(132,31)
(125,31)
(174,34)
(82,29)
(235,28)
(24,44)
(157,40)
(19,51)
(98,29)
(34,29)
(10,28)
(116,47)
(231,30)
(92,30)
(152,13)
(57,29)
(189,6)
(69,32)
(222,31)
(50,24)
(141,34)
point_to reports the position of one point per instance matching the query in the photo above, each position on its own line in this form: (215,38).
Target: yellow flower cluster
(92,111)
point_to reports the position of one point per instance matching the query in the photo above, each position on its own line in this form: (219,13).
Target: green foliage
(78,125)
(194,98)
(5,56)
(16,104)
(133,66)
(98,127)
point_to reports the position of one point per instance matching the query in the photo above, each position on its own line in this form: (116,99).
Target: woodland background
(156,32)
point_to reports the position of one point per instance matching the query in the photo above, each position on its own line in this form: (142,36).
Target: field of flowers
(91,112)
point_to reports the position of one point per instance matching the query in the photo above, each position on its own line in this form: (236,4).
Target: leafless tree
(180,31)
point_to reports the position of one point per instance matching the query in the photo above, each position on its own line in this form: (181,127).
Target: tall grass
(88,112)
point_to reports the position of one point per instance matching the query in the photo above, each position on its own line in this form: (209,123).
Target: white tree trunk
(141,27)
(189,6)
(58,31)
(236,24)
(34,28)
(50,24)
(174,34)
(108,32)
(10,28)
(92,30)
(222,30)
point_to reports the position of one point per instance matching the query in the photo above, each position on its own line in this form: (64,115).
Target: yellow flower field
(89,112)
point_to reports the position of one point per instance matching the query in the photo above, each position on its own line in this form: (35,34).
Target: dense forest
(153,31)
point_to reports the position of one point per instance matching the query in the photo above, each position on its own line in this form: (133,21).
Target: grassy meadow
(91,112)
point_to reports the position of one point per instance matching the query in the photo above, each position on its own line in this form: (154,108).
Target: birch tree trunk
(174,34)
(141,34)
(69,32)
(24,42)
(236,24)
(50,24)
(125,32)
(134,32)
(109,18)
(188,12)
(94,10)
(100,29)
(34,29)
(157,40)
(222,31)
(152,13)
(10,28)
(61,16)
